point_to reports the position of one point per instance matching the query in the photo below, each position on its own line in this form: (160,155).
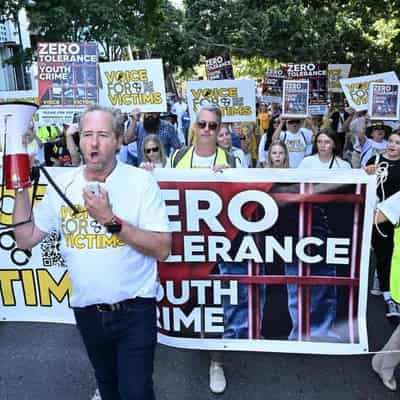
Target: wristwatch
(114,226)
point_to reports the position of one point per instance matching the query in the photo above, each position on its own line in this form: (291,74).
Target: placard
(295,99)
(219,67)
(68,74)
(133,84)
(356,89)
(317,75)
(273,80)
(235,98)
(384,101)
(336,72)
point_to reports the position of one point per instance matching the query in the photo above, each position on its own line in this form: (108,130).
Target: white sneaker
(376,287)
(217,378)
(96,395)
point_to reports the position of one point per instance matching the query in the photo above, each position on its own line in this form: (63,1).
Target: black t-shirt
(391,168)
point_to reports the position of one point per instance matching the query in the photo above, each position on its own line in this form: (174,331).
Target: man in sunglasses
(206,154)
(297,139)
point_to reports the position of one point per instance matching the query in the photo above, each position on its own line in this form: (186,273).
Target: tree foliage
(365,33)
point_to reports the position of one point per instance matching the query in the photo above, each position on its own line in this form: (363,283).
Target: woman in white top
(224,140)
(325,152)
(153,154)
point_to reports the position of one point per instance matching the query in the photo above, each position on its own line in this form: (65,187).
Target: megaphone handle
(58,190)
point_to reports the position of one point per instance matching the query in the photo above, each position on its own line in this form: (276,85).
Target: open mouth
(94,155)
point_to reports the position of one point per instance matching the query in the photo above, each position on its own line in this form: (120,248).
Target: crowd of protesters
(342,138)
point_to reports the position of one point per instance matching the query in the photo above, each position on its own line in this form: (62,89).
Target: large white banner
(356,89)
(235,98)
(238,238)
(133,84)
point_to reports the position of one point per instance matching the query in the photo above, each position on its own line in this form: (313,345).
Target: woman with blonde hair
(153,153)
(277,155)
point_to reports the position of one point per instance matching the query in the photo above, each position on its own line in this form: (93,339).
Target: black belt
(121,305)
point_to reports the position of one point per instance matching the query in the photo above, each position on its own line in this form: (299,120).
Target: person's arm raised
(27,235)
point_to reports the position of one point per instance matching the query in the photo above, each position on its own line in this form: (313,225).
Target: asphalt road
(48,362)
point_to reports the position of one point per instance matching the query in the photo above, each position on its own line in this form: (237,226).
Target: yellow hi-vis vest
(183,158)
(47,132)
(395,268)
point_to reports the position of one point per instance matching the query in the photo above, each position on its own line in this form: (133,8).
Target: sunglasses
(212,125)
(152,150)
(294,122)
(243,138)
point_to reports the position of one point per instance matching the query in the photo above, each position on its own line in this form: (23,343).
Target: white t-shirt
(102,268)
(315,162)
(391,208)
(179,108)
(299,145)
(369,149)
(202,162)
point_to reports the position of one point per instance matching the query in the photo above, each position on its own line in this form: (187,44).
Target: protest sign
(384,101)
(30,96)
(295,99)
(133,84)
(336,72)
(57,116)
(356,89)
(236,236)
(67,74)
(219,67)
(273,80)
(317,75)
(235,98)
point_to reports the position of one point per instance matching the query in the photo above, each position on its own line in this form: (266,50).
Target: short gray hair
(211,108)
(117,118)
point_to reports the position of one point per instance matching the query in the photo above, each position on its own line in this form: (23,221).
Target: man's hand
(72,129)
(220,167)
(98,206)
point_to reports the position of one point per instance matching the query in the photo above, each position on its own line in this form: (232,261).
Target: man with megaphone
(111,244)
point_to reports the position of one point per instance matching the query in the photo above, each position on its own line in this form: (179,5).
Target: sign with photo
(317,75)
(133,84)
(356,89)
(384,101)
(235,98)
(68,74)
(219,68)
(300,237)
(273,80)
(295,99)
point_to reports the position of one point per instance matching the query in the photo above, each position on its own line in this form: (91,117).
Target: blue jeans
(323,302)
(120,346)
(236,321)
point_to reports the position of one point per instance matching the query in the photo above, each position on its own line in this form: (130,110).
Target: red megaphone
(14,122)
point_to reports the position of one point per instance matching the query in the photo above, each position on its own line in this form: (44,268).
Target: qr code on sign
(51,256)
